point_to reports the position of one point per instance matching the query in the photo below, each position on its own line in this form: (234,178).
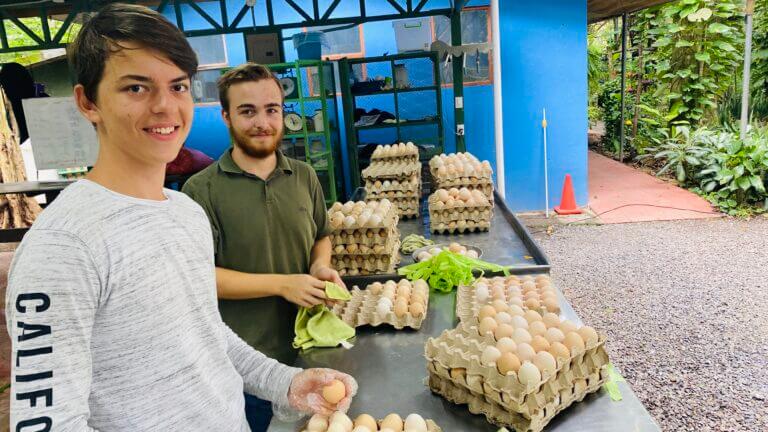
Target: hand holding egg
(315,390)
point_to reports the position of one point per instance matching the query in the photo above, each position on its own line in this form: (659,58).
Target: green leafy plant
(681,150)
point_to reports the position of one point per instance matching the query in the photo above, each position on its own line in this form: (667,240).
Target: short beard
(241,142)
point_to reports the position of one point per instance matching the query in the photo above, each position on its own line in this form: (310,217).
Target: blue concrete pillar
(544,65)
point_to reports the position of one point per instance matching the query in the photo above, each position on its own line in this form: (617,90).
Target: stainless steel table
(390,368)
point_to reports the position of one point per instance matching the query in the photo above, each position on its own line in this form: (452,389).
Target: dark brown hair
(246,72)
(101,36)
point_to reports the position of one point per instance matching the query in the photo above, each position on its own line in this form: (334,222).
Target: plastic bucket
(309,45)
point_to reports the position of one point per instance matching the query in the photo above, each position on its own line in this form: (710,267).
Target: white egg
(382,309)
(481,292)
(415,423)
(317,423)
(490,355)
(342,419)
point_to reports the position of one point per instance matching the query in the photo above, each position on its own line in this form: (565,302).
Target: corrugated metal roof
(598,10)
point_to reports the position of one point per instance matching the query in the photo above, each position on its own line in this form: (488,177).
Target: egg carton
(361,310)
(461,348)
(452,227)
(497,415)
(356,249)
(466,215)
(394,196)
(365,272)
(389,170)
(394,151)
(483,185)
(361,265)
(367,237)
(388,221)
(403,186)
(406,158)
(468,306)
(431,426)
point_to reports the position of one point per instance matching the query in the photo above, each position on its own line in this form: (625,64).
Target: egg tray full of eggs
(499,416)
(454,205)
(506,294)
(407,207)
(340,422)
(354,249)
(362,215)
(406,186)
(391,170)
(459,165)
(396,152)
(399,304)
(365,265)
(486,187)
(521,372)
(370,237)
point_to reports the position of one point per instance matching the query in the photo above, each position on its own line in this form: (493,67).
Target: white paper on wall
(60,136)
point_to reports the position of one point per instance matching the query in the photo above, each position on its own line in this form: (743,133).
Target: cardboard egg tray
(453,227)
(470,183)
(394,196)
(431,425)
(413,157)
(466,214)
(391,170)
(361,310)
(497,415)
(386,247)
(371,263)
(356,271)
(467,305)
(462,347)
(402,187)
(367,237)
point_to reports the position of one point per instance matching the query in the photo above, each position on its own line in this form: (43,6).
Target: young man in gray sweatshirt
(111,301)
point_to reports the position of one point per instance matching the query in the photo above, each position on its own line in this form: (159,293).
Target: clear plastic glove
(306,391)
(304,290)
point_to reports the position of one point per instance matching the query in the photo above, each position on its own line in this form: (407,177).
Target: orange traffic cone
(568,201)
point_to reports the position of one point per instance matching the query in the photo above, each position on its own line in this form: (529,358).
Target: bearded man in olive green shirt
(268,217)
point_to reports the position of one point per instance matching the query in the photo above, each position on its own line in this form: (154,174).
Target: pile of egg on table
(452,210)
(462,170)
(395,174)
(512,363)
(364,237)
(340,422)
(453,247)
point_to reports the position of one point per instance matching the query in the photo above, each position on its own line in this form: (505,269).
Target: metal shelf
(400,124)
(394,91)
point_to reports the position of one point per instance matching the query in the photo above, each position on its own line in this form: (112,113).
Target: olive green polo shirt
(262,227)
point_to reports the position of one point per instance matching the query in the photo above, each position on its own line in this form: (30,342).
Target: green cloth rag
(612,384)
(318,326)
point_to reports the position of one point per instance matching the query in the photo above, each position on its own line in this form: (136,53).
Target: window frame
(214,66)
(489,81)
(358,54)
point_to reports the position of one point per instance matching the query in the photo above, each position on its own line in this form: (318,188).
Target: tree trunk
(16,210)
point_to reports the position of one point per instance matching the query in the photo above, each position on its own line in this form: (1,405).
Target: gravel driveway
(685,307)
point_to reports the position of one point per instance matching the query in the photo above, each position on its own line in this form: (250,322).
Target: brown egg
(531,295)
(334,392)
(416,310)
(559,350)
(403,291)
(537,328)
(401,307)
(487,325)
(366,420)
(418,298)
(504,330)
(551,304)
(589,335)
(532,304)
(527,285)
(567,326)
(525,352)
(500,306)
(517,301)
(554,335)
(508,362)
(486,312)
(375,288)
(394,422)
(532,316)
(539,343)
(551,319)
(574,342)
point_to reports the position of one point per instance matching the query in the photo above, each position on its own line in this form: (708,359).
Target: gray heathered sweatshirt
(111,309)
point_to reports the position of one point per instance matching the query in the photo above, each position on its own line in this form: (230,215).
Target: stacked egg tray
(457,372)
(459,210)
(365,239)
(513,290)
(363,308)
(398,181)
(445,176)
(396,152)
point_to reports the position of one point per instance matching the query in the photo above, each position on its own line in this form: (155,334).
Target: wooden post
(16,210)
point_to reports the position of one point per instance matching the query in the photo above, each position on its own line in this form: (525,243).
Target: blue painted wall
(543,50)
